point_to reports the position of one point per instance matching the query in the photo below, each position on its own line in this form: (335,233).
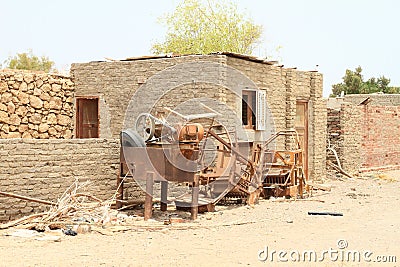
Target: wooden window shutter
(261,116)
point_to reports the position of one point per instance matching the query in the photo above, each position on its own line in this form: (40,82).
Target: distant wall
(44,169)
(35,105)
(366,137)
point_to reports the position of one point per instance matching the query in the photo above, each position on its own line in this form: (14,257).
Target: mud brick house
(56,128)
(365,130)
(294,98)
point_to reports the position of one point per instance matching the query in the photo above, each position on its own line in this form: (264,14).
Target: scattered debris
(325,213)
(70,232)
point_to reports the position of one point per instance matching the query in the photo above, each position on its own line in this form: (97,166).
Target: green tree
(353,83)
(198,27)
(28,61)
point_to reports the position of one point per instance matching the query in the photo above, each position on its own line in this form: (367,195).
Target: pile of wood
(73,207)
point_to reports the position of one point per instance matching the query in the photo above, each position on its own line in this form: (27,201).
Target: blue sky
(335,35)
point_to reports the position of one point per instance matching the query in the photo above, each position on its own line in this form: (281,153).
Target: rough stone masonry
(35,105)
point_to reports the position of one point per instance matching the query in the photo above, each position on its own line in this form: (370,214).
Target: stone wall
(44,169)
(35,105)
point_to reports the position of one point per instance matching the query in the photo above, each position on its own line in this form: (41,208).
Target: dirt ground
(238,235)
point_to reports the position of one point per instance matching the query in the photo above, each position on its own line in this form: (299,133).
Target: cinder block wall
(44,169)
(35,105)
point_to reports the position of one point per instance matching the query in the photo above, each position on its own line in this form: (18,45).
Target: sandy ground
(240,235)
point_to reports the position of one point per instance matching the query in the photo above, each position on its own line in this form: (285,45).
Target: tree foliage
(198,27)
(353,83)
(29,61)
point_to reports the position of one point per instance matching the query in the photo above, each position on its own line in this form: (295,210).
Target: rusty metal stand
(164,194)
(195,197)
(148,203)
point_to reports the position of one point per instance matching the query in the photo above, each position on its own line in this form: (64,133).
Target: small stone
(16,85)
(67,134)
(11,108)
(43,127)
(37,92)
(56,87)
(44,136)
(44,96)
(21,111)
(52,131)
(19,77)
(46,87)
(23,87)
(14,135)
(3,107)
(51,119)
(5,128)
(35,102)
(28,78)
(15,120)
(35,119)
(23,98)
(31,86)
(26,135)
(23,128)
(4,117)
(55,103)
(6,97)
(3,87)
(38,83)
(13,128)
(34,134)
(63,120)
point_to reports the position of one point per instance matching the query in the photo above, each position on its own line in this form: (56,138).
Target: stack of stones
(35,105)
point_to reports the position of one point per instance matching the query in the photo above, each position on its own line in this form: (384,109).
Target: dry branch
(27,198)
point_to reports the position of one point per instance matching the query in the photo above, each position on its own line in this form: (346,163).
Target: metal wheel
(130,138)
(145,126)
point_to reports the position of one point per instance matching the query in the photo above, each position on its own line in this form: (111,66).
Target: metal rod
(164,193)
(195,197)
(148,203)
(28,198)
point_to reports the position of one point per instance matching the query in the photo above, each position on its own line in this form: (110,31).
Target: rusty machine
(203,154)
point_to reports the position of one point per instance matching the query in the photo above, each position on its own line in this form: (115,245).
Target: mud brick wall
(368,135)
(115,83)
(350,119)
(334,133)
(380,137)
(35,105)
(45,168)
(377,99)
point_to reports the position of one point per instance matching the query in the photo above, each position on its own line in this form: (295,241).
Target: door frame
(306,153)
(77,114)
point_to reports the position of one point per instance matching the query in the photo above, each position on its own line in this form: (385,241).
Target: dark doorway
(87,117)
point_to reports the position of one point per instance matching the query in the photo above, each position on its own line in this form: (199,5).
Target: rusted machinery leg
(148,202)
(195,197)
(164,193)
